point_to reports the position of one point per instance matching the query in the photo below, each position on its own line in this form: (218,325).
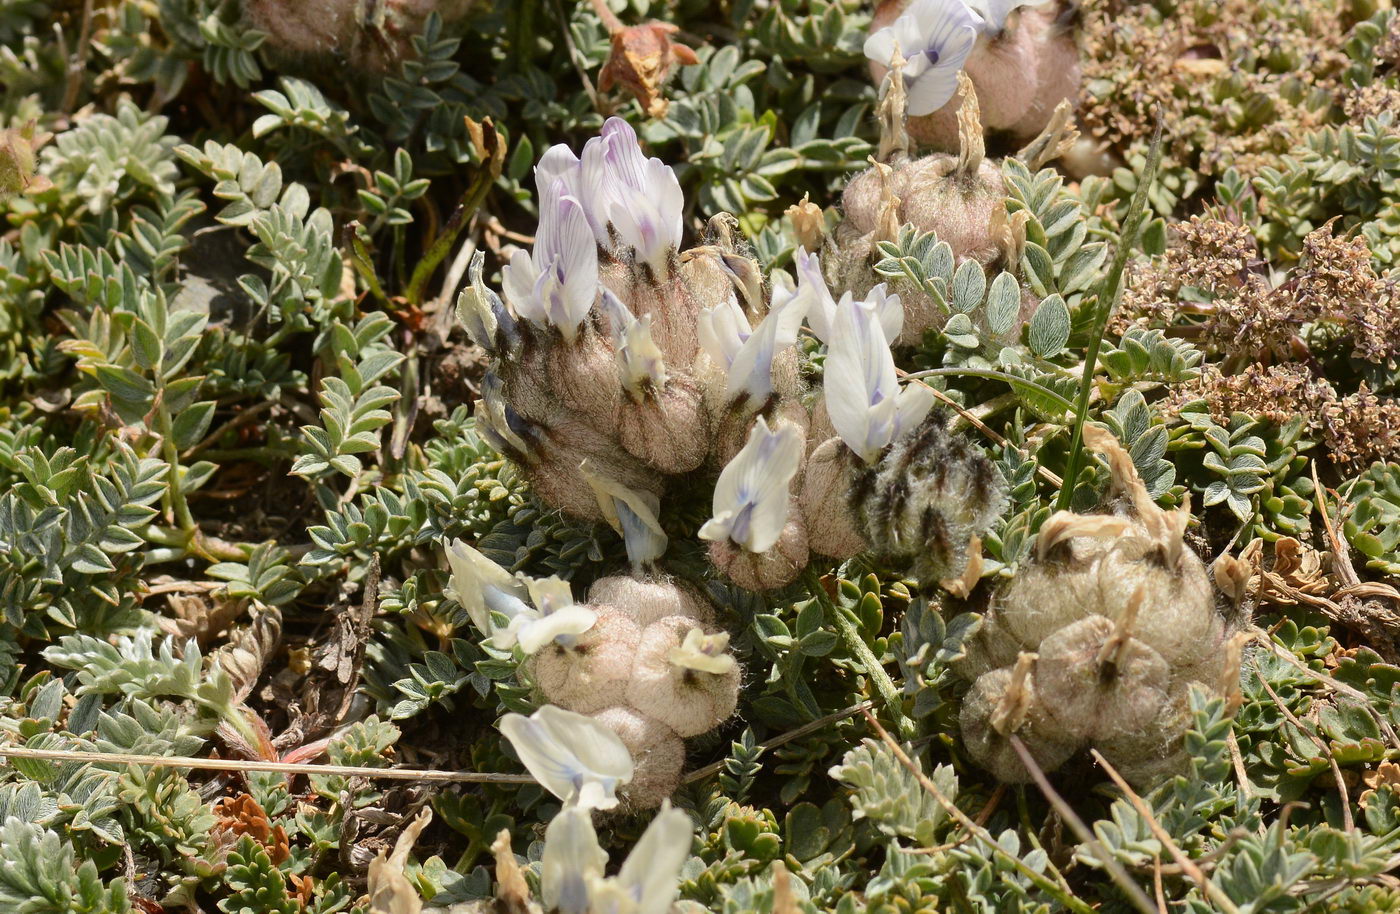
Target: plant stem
(1109,293)
(874,669)
(1013,380)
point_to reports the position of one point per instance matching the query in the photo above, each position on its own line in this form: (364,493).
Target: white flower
(634,515)
(703,653)
(557,283)
(751,497)
(482,587)
(821,307)
(555,617)
(572,866)
(996,12)
(723,330)
(748,353)
(637,197)
(573,756)
(571,863)
(867,408)
(936,36)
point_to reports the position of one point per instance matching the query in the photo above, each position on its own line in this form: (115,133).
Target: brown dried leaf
(390,892)
(641,61)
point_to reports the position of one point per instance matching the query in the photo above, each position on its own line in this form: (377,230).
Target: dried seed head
(592,673)
(1096,679)
(690,701)
(649,600)
(1004,702)
(924,500)
(1123,618)
(657,756)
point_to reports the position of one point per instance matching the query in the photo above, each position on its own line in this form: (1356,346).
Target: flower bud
(649,600)
(657,756)
(825,501)
(583,375)
(672,306)
(592,672)
(683,677)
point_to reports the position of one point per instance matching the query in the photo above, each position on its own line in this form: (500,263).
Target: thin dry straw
(400,774)
(216,764)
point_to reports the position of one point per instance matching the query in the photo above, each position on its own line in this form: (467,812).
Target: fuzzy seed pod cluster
(1021,56)
(1097,641)
(371,35)
(960,198)
(654,668)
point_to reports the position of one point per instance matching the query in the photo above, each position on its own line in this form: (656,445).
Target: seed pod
(583,375)
(1156,750)
(924,500)
(1097,680)
(769,570)
(304,26)
(687,699)
(825,501)
(1004,702)
(668,430)
(593,672)
(657,756)
(649,600)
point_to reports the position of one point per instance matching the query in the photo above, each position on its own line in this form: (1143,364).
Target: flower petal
(472,574)
(574,757)
(652,870)
(571,860)
(751,372)
(751,500)
(571,620)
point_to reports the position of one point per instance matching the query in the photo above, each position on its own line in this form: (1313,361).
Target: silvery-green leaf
(1049,328)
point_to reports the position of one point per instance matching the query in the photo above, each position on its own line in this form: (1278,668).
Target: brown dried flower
(641,59)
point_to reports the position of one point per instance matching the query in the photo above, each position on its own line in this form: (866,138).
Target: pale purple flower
(935,36)
(557,283)
(863,398)
(628,200)
(634,515)
(747,353)
(751,500)
(996,12)
(821,307)
(637,197)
